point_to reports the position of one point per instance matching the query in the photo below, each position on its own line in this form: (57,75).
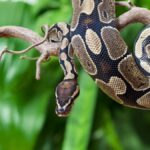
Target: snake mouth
(61,112)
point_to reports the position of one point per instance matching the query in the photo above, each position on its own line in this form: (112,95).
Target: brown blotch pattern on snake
(115,45)
(65,43)
(118,85)
(93,41)
(82,54)
(144,100)
(67,70)
(63,27)
(106,88)
(86,7)
(106,10)
(129,70)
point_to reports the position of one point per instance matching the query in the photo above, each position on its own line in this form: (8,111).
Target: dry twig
(134,15)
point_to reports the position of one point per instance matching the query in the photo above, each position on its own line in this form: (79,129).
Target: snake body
(93,38)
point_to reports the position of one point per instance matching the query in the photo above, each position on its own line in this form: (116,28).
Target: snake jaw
(66,93)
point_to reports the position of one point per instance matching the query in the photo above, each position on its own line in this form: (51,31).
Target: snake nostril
(59,111)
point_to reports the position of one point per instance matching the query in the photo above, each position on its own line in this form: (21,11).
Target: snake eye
(66,92)
(54,41)
(54,34)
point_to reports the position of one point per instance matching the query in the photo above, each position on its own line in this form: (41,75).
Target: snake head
(66,93)
(56,32)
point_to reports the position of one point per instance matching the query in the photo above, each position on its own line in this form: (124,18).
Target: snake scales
(93,38)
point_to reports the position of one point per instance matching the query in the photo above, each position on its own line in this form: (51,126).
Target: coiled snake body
(95,41)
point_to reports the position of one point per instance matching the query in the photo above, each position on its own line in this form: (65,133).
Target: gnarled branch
(43,45)
(134,15)
(31,37)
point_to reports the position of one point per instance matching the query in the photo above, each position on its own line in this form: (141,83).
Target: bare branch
(48,48)
(134,15)
(31,37)
(44,56)
(29,58)
(42,44)
(128,4)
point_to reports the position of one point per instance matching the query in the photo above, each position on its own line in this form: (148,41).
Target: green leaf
(22,110)
(79,123)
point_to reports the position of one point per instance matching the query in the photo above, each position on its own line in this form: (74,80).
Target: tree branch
(124,4)
(42,44)
(31,37)
(48,48)
(134,15)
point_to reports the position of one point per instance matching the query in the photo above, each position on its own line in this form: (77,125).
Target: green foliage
(78,128)
(27,106)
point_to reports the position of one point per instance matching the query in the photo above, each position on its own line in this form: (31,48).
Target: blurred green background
(27,106)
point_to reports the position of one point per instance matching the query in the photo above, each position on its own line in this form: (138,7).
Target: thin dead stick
(43,57)
(128,4)
(29,58)
(27,49)
(31,37)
